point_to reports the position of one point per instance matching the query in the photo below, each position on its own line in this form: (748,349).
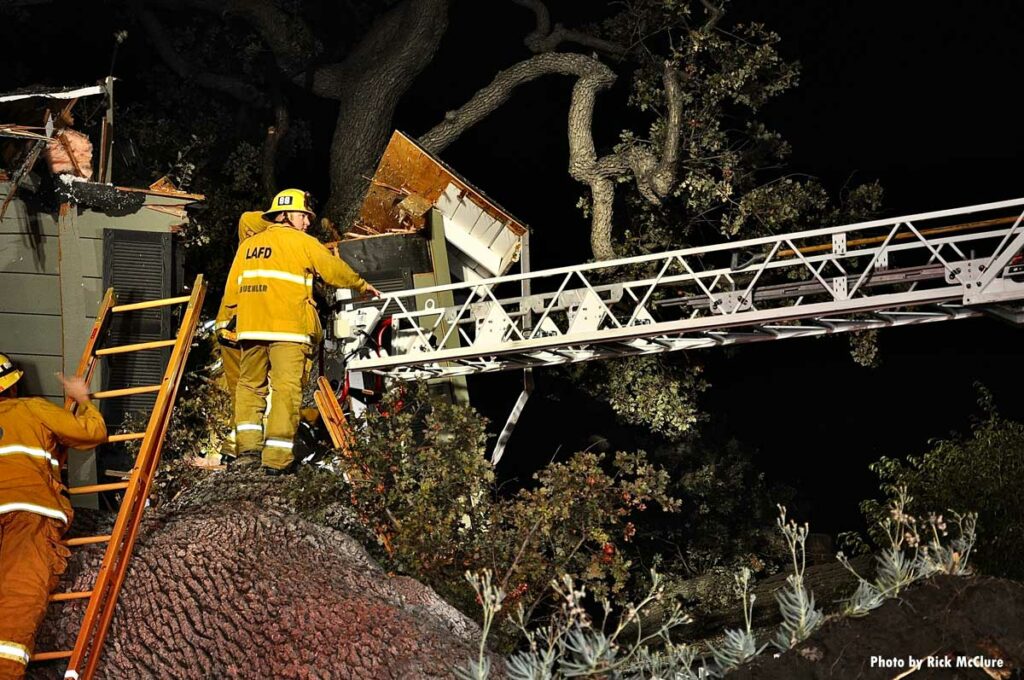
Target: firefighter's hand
(75,387)
(371,290)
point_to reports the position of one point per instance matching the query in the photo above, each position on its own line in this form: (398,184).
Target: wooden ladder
(334,418)
(85,657)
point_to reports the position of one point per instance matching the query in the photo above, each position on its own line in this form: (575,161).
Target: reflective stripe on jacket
(31,433)
(249,224)
(271,285)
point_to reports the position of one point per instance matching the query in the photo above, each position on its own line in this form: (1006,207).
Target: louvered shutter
(140,266)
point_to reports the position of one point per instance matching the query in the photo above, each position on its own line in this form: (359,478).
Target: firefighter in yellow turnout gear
(34,509)
(270,285)
(249,224)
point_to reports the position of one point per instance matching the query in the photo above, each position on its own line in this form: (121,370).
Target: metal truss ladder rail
(922,268)
(84,658)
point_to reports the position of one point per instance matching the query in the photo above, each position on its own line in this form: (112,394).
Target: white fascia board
(70,94)
(473,249)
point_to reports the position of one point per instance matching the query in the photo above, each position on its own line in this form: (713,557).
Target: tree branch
(233,87)
(499,91)
(545,39)
(715,14)
(655,175)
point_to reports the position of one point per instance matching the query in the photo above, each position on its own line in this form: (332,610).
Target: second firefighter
(271,287)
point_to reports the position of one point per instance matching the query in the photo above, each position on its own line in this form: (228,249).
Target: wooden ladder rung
(64,597)
(96,488)
(150,304)
(126,437)
(126,391)
(139,346)
(50,656)
(86,540)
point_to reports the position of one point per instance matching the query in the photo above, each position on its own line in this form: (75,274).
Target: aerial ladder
(902,271)
(84,657)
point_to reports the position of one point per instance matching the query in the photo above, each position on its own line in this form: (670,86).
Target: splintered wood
(407,184)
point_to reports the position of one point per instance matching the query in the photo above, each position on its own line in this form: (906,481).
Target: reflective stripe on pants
(230,357)
(31,562)
(284,365)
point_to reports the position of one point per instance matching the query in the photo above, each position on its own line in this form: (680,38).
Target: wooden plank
(135,347)
(95,488)
(406,168)
(92,291)
(91,251)
(26,254)
(18,220)
(40,379)
(30,293)
(91,225)
(35,334)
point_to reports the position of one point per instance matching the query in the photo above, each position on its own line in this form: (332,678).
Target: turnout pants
(285,366)
(231,356)
(31,562)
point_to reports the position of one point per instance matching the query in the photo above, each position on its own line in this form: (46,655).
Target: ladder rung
(149,304)
(50,656)
(134,348)
(127,437)
(126,391)
(64,597)
(96,488)
(86,540)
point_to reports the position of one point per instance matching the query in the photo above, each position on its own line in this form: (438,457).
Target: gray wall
(51,285)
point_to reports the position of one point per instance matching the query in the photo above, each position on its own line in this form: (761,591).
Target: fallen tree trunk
(712,603)
(226,583)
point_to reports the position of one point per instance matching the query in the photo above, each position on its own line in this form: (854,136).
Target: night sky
(921,96)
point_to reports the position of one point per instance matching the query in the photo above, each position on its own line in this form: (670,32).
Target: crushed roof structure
(37,122)
(485,239)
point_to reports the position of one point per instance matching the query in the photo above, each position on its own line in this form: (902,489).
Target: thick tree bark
(227,583)
(368,86)
(544,38)
(655,174)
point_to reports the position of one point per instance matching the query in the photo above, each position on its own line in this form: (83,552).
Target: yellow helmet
(290,200)
(9,373)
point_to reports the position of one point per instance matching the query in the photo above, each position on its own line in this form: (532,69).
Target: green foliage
(980,471)
(652,391)
(739,646)
(796,602)
(193,432)
(572,644)
(911,550)
(420,482)
(730,176)
(864,348)
(730,179)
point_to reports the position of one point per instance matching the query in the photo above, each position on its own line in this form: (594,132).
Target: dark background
(921,96)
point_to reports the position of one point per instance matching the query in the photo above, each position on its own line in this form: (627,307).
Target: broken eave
(118,201)
(48,93)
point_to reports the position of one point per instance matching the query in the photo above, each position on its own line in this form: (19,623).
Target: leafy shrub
(911,550)
(420,482)
(981,471)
